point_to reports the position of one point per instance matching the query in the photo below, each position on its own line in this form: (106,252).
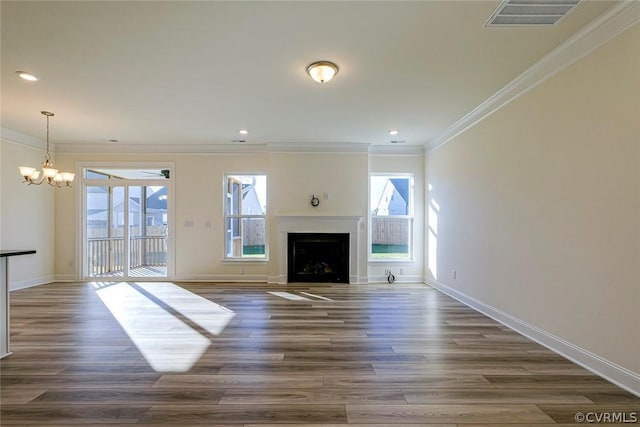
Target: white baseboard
(219,278)
(398,279)
(283,280)
(277,280)
(362,280)
(608,370)
(30,283)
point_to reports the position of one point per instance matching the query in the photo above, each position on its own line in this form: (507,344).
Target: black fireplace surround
(318,257)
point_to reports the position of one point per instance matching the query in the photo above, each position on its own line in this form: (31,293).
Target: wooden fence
(389,231)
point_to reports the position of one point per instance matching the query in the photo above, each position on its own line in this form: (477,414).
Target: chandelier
(52,176)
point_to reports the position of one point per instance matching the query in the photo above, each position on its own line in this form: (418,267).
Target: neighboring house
(394,198)
(157,207)
(250,200)
(98,206)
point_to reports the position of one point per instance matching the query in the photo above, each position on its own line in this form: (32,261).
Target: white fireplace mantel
(319,224)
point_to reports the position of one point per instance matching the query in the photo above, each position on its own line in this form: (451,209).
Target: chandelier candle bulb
(26,171)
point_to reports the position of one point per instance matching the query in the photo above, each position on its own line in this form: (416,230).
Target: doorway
(126,223)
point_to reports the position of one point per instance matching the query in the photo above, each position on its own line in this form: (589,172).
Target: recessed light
(393,132)
(397,142)
(113,140)
(238,140)
(243,131)
(25,75)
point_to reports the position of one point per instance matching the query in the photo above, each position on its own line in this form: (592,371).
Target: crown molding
(218,149)
(604,28)
(80,148)
(332,147)
(21,138)
(398,150)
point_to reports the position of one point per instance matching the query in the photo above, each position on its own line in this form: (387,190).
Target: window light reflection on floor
(210,316)
(316,296)
(167,343)
(289,296)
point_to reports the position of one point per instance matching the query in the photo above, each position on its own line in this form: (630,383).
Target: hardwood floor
(257,355)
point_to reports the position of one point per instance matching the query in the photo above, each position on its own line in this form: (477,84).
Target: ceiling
(192,73)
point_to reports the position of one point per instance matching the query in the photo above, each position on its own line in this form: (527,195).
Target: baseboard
(283,280)
(277,280)
(398,279)
(608,370)
(30,283)
(246,278)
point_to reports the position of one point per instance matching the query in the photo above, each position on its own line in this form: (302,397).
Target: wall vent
(530,12)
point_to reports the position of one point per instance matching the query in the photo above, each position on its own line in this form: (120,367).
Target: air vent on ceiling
(530,12)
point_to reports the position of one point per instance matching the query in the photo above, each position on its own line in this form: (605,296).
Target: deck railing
(106,255)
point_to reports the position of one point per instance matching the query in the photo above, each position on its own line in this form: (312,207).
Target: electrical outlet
(387,271)
(241,270)
(454,274)
(402,271)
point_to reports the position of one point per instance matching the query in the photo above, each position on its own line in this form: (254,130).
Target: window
(391,211)
(245,216)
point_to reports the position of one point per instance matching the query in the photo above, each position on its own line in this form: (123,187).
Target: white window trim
(81,166)
(411,258)
(229,259)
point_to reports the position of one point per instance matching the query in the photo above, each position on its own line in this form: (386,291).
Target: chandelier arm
(30,181)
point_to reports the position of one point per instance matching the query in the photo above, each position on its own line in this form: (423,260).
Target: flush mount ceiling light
(243,132)
(393,132)
(322,71)
(54,177)
(25,75)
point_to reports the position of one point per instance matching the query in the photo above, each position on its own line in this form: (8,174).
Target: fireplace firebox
(318,257)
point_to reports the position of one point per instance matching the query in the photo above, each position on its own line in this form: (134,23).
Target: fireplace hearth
(318,257)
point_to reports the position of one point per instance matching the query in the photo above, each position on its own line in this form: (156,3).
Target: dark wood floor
(330,355)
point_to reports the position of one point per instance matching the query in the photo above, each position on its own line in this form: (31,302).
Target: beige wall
(27,220)
(413,270)
(198,194)
(293,177)
(537,207)
(198,198)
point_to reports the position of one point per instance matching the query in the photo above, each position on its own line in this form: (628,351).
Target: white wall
(198,190)
(293,177)
(537,207)
(404,271)
(27,219)
(198,193)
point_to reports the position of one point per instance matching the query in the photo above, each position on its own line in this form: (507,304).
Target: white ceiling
(186,73)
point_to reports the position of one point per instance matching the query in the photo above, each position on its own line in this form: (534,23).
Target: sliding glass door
(148,231)
(126,228)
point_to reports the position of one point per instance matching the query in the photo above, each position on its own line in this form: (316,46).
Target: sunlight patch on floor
(167,343)
(316,296)
(289,296)
(210,316)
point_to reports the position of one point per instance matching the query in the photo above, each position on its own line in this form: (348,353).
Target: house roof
(402,187)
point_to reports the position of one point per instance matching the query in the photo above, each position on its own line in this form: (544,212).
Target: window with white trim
(391,216)
(245,216)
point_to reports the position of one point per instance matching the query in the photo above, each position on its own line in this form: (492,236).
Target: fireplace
(320,224)
(318,257)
